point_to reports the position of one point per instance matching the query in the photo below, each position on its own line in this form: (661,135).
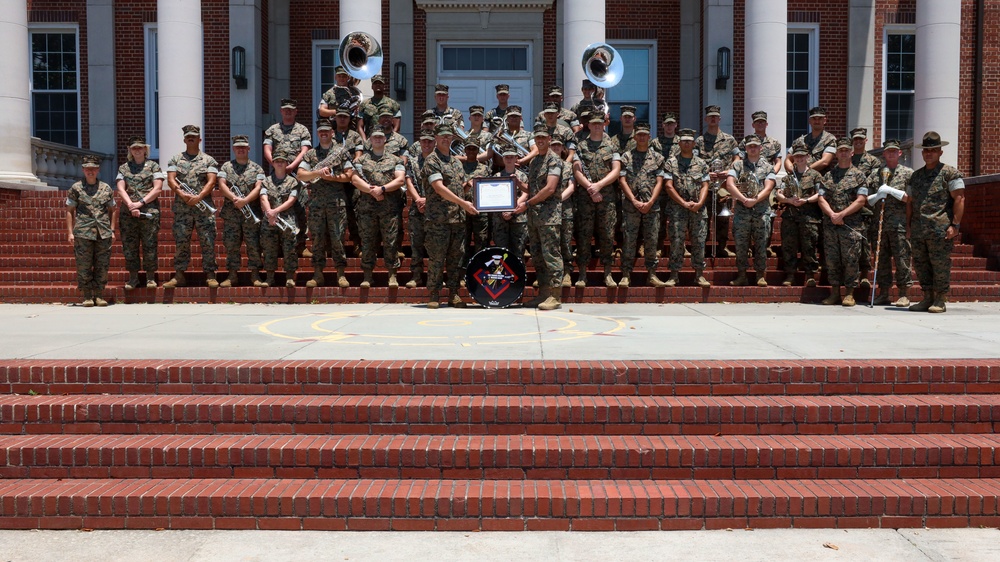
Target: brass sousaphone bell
(603,65)
(361,55)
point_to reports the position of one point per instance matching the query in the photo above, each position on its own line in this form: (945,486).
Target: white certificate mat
(494,194)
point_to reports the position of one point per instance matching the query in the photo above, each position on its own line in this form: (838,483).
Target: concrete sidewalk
(910,545)
(577,332)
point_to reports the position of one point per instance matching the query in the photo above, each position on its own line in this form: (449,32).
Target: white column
(244,105)
(15,109)
(362,16)
(690,110)
(861,67)
(766,66)
(101,75)
(718,32)
(938,53)
(584,24)
(181,72)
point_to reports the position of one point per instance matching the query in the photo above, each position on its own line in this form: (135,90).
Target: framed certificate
(494,194)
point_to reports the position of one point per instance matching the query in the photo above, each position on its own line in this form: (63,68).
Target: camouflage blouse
(895,210)
(841,188)
(641,169)
(242,176)
(93,204)
(139,178)
(290,138)
(448,169)
(932,202)
(803,185)
(598,157)
(548,212)
(687,176)
(323,192)
(379,170)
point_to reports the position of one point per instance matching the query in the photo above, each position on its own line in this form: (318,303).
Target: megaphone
(603,65)
(361,55)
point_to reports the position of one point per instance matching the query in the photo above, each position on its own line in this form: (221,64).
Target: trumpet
(287,225)
(246,210)
(204,206)
(504,137)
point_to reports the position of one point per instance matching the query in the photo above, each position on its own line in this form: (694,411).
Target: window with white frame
(152,92)
(898,96)
(636,87)
(802,80)
(500,58)
(55,84)
(326,57)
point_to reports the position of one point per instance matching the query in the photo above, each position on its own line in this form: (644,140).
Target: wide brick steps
(501,415)
(516,457)
(501,378)
(432,504)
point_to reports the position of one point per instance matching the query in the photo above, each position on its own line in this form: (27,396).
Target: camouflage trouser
(592,216)
(842,244)
(566,236)
(326,226)
(665,204)
(351,216)
(415,223)
(684,222)
(477,235)
(445,246)
(868,242)
(136,232)
(894,248)
(93,257)
(373,223)
(799,236)
(273,240)
(235,230)
(751,225)
(510,234)
(649,225)
(186,221)
(545,253)
(932,262)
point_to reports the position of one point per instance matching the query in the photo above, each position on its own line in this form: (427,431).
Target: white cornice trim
(471,6)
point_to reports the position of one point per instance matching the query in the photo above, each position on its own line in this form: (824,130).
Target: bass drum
(495,277)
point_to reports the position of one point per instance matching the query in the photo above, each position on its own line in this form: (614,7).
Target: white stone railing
(58,165)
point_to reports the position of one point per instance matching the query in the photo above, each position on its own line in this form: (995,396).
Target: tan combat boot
(366,282)
(543,294)
(939,303)
(255,277)
(342,281)
(925,303)
(210,281)
(456,301)
(789,280)
(177,280)
(609,281)
(653,281)
(393,283)
(316,281)
(133,280)
(673,280)
(88,299)
(269,281)
(232,280)
(626,278)
(903,300)
(567,280)
(150,279)
(882,296)
(834,297)
(99,299)
(700,278)
(290,279)
(416,278)
(581,280)
(848,299)
(761,279)
(740,280)
(552,301)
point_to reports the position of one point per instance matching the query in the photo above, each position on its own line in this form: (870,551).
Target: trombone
(204,206)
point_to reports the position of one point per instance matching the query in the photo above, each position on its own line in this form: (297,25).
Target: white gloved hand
(878,196)
(897,193)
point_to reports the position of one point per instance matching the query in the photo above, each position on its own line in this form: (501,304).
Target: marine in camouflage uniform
(395,143)
(139,183)
(820,144)
(444,184)
(327,202)
(372,108)
(500,111)
(566,187)
(379,200)
(198,170)
(800,217)
(867,164)
(770,150)
(642,178)
(444,112)
(245,177)
(565,117)
(510,228)
(544,210)
(625,138)
(687,183)
(90,205)
(556,129)
(277,195)
(844,190)
(666,144)
(294,139)
(718,146)
(352,142)
(477,227)
(937,199)
(603,165)
(416,217)
(894,247)
(750,182)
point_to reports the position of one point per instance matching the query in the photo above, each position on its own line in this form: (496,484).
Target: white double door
(465,92)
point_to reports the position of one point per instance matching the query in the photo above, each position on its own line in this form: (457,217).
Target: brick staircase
(36,265)
(499,445)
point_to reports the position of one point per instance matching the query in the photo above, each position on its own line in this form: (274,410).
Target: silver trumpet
(246,210)
(505,137)
(143,215)
(204,206)
(287,225)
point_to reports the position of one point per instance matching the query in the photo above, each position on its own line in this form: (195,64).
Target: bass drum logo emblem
(495,277)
